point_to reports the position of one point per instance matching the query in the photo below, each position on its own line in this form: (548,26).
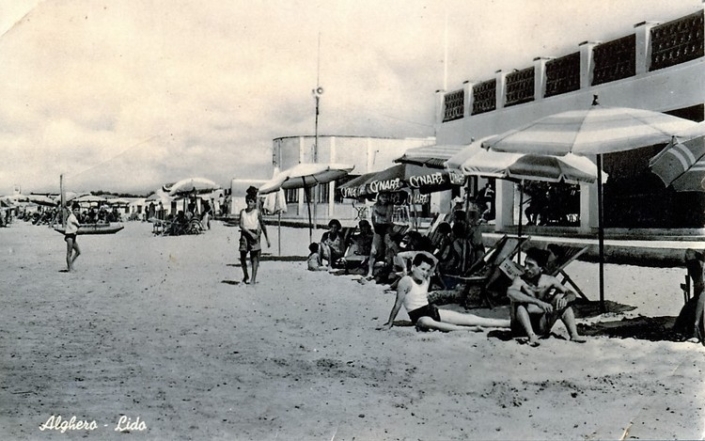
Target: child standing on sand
(72,225)
(251,228)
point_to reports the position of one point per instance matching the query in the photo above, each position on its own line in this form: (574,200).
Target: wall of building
(659,67)
(366,154)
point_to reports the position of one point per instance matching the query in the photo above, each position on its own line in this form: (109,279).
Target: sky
(127,95)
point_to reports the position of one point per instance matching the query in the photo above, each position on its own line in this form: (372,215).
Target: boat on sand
(97,228)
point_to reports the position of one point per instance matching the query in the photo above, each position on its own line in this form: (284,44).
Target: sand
(157,331)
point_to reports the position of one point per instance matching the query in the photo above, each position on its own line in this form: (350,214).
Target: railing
(454,103)
(520,86)
(677,41)
(563,74)
(484,97)
(614,60)
(671,43)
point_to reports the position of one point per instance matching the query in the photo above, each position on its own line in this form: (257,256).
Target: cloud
(127,96)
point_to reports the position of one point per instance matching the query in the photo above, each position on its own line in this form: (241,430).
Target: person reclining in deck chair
(539,301)
(412,293)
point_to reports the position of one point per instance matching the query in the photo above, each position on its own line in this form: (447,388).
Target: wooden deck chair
(496,264)
(564,255)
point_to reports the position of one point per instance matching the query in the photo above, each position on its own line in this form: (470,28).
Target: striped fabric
(597,130)
(305,175)
(682,161)
(570,168)
(693,179)
(433,156)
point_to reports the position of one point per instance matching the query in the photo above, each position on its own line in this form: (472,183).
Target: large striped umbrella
(594,131)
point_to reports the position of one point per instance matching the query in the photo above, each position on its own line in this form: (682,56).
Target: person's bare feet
(578,339)
(533,342)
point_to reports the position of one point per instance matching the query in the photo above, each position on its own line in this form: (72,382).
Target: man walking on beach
(412,293)
(539,300)
(70,232)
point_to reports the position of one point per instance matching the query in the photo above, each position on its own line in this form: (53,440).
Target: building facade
(367,154)
(658,66)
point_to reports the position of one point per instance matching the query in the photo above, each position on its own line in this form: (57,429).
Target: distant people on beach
(251,229)
(538,301)
(382,214)
(412,294)
(70,232)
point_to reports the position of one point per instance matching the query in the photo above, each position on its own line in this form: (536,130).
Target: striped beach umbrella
(682,163)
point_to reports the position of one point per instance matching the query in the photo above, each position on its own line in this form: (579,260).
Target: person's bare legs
(371,262)
(254,259)
(568,319)
(524,319)
(429,323)
(71,246)
(465,319)
(243,263)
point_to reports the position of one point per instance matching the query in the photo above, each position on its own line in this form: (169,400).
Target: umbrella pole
(601,233)
(308,204)
(63,201)
(279,231)
(521,206)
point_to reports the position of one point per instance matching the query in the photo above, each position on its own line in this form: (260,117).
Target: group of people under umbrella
(563,148)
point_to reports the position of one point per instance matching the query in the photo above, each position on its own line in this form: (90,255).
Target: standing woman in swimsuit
(72,225)
(251,228)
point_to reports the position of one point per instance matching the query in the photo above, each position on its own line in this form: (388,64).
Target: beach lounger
(496,264)
(564,255)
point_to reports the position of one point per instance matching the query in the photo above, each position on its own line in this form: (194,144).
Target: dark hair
(538,255)
(459,229)
(444,228)
(249,198)
(334,222)
(364,223)
(421,258)
(313,247)
(75,205)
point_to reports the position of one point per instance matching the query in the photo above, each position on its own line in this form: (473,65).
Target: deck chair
(496,265)
(564,255)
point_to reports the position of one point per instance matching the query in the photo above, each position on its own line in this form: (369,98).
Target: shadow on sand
(270,258)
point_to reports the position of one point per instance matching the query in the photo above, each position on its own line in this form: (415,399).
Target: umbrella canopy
(571,169)
(682,163)
(118,201)
(432,156)
(42,200)
(597,130)
(305,175)
(355,188)
(190,185)
(410,176)
(90,199)
(275,202)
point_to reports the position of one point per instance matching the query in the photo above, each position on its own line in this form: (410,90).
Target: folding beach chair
(496,265)
(564,255)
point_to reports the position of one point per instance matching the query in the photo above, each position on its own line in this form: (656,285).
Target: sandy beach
(158,330)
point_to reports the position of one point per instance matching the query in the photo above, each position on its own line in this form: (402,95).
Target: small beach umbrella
(42,200)
(306,176)
(594,131)
(191,185)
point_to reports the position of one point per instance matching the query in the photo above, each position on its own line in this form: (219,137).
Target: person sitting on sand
(332,246)
(251,228)
(72,226)
(539,300)
(412,293)
(313,261)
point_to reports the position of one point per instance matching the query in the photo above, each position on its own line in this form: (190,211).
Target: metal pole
(279,231)
(315,161)
(308,203)
(63,201)
(601,233)
(521,206)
